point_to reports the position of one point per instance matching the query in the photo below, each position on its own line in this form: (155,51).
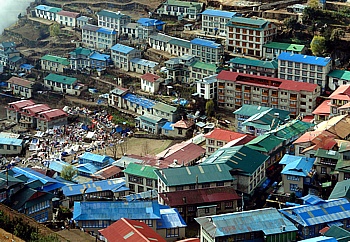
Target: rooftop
(57,59)
(223,135)
(141,170)
(218,13)
(150,77)
(249,23)
(111,14)
(265,143)
(184,4)
(150,22)
(252,62)
(20,82)
(284,46)
(143,102)
(206,43)
(68,14)
(306,59)
(144,62)
(323,109)
(61,79)
(297,165)
(340,74)
(341,93)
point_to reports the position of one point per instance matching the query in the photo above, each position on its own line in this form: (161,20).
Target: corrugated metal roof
(11,141)
(267,220)
(307,59)
(31,174)
(61,79)
(320,239)
(124,161)
(312,200)
(87,168)
(218,13)
(168,126)
(284,46)
(297,165)
(114,185)
(338,233)
(111,14)
(252,62)
(164,107)
(248,23)
(58,165)
(95,157)
(206,43)
(57,59)
(149,22)
(144,62)
(150,194)
(265,142)
(341,190)
(112,211)
(138,100)
(141,171)
(170,218)
(340,74)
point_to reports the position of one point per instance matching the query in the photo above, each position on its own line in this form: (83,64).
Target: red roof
(150,77)
(199,196)
(308,118)
(319,139)
(34,109)
(223,135)
(51,114)
(21,104)
(307,137)
(20,82)
(341,93)
(185,155)
(130,230)
(68,14)
(323,109)
(183,124)
(108,172)
(268,82)
(324,230)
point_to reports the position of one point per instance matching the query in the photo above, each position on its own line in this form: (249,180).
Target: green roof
(344,146)
(340,190)
(141,171)
(330,154)
(248,23)
(150,118)
(55,10)
(267,120)
(292,129)
(182,43)
(241,159)
(111,14)
(57,59)
(164,107)
(61,79)
(284,46)
(204,66)
(251,62)
(81,51)
(340,74)
(343,165)
(249,110)
(265,143)
(196,5)
(187,175)
(340,234)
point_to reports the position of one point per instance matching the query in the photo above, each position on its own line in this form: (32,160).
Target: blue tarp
(3,84)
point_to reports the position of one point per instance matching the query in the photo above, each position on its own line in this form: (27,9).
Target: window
(293,178)
(179,131)
(220,184)
(179,188)
(149,182)
(172,232)
(323,170)
(229,204)
(205,185)
(192,187)
(293,187)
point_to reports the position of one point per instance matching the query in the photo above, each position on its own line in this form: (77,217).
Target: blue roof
(144,62)
(297,165)
(57,165)
(52,187)
(87,168)
(329,211)
(106,31)
(168,126)
(34,175)
(114,185)
(83,18)
(267,220)
(218,13)
(306,59)
(143,102)
(312,200)
(100,57)
(11,141)
(26,66)
(206,43)
(170,218)
(150,194)
(320,239)
(150,22)
(95,157)
(43,7)
(122,48)
(113,211)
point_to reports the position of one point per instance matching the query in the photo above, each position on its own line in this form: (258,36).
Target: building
(11,146)
(341,190)
(79,58)
(143,66)
(20,87)
(214,21)
(150,83)
(122,54)
(323,111)
(260,224)
(13,109)
(136,104)
(338,78)
(99,61)
(246,165)
(159,41)
(189,202)
(113,20)
(67,18)
(82,20)
(305,68)
(254,67)
(297,174)
(95,159)
(98,37)
(51,118)
(181,9)
(54,63)
(219,138)
(207,51)
(130,230)
(178,47)
(247,36)
(29,115)
(63,84)
(198,70)
(47,12)
(324,213)
(206,87)
(236,89)
(166,111)
(140,178)
(339,98)
(150,123)
(10,57)
(148,26)
(272,50)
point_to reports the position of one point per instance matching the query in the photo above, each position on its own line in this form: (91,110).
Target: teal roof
(241,159)
(258,63)
(267,120)
(250,110)
(11,141)
(57,59)
(150,118)
(340,74)
(141,171)
(330,154)
(340,190)
(61,79)
(204,66)
(165,107)
(81,51)
(265,143)
(179,42)
(196,5)
(340,234)
(284,46)
(111,14)
(186,175)
(248,23)
(292,129)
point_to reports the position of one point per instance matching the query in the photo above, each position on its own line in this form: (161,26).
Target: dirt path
(7,237)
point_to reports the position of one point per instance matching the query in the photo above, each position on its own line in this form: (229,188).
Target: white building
(47,12)
(150,82)
(122,54)
(98,37)
(113,20)
(206,50)
(214,21)
(67,18)
(206,87)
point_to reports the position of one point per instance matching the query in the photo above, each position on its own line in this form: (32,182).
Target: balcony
(293,98)
(265,101)
(265,93)
(221,86)
(238,96)
(293,105)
